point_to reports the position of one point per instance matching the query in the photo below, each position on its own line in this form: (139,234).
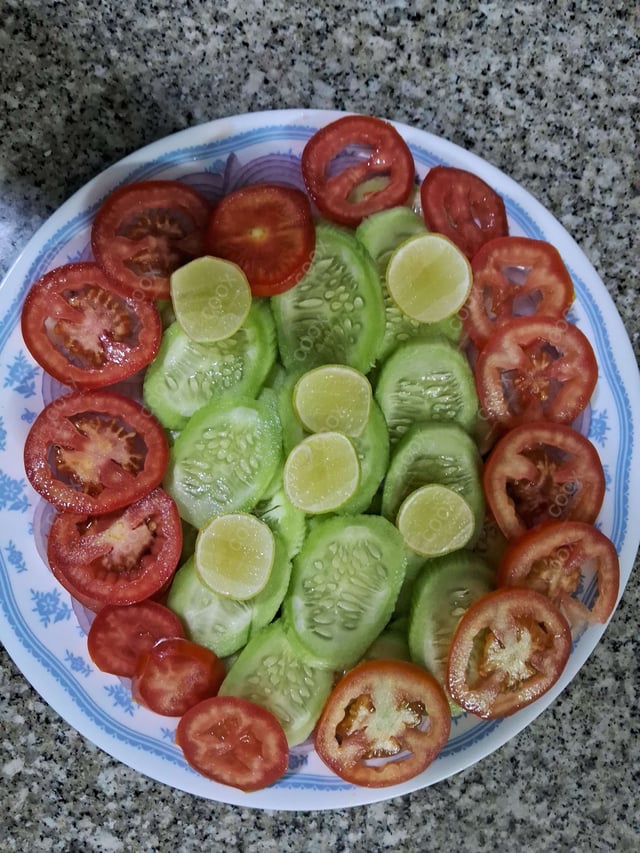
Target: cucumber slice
(223,624)
(435,453)
(372,447)
(444,590)
(284,519)
(381,234)
(335,314)
(344,586)
(426,381)
(224,459)
(392,643)
(271,671)
(186,375)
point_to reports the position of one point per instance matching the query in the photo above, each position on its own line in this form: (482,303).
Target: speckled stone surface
(546,91)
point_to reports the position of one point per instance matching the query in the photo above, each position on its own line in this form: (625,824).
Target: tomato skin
(83,332)
(234,742)
(526,645)
(377,697)
(119,635)
(535,368)
(121,557)
(268,231)
(144,231)
(552,557)
(463,207)
(540,471)
(94,451)
(512,274)
(390,158)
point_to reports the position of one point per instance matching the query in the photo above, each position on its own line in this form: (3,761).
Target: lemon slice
(211,298)
(333,398)
(434,520)
(234,555)
(322,472)
(429,278)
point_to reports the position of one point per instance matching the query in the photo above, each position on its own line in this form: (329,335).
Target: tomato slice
(174,675)
(120,557)
(383,177)
(384,722)
(463,207)
(509,648)
(94,451)
(558,558)
(543,471)
(146,230)
(515,276)
(268,231)
(535,368)
(235,742)
(83,332)
(118,636)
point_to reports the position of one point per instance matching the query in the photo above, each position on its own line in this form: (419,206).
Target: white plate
(37,624)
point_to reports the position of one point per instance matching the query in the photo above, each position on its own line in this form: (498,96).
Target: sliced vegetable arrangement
(347,394)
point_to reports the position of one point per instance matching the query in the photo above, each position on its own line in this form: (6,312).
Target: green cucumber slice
(392,643)
(382,233)
(426,381)
(272,672)
(435,453)
(446,587)
(372,447)
(223,624)
(335,314)
(224,459)
(344,586)
(186,375)
(284,519)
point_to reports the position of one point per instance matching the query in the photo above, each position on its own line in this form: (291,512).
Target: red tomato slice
(463,207)
(384,722)
(94,451)
(543,471)
(84,333)
(509,648)
(174,675)
(268,231)
(383,178)
(556,558)
(515,276)
(535,368)
(120,635)
(146,230)
(120,557)
(234,742)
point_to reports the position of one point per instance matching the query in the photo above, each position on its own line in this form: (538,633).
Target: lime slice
(234,555)
(434,520)
(429,278)
(333,398)
(211,298)
(322,472)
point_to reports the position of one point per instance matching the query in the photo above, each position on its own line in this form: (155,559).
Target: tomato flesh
(174,675)
(535,368)
(146,230)
(268,231)
(390,710)
(382,178)
(556,558)
(234,742)
(121,557)
(543,471)
(83,332)
(463,207)
(513,276)
(118,636)
(94,452)
(509,648)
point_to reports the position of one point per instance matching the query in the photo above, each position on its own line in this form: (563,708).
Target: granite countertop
(547,92)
